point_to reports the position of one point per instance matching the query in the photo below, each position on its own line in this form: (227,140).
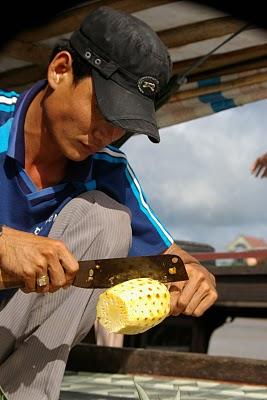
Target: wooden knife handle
(9,282)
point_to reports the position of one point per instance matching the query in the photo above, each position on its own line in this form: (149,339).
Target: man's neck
(43,162)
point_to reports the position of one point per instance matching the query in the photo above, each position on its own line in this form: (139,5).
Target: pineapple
(133,306)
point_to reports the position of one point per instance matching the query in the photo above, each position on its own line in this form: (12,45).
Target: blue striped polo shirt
(27,208)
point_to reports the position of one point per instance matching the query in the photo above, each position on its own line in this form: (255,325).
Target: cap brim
(125,109)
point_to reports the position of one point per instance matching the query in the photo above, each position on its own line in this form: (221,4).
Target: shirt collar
(16,146)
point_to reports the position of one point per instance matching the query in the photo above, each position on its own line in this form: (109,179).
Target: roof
(234,75)
(247,242)
(255,242)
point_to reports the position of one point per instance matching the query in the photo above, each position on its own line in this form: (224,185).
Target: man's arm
(259,167)
(28,257)
(195,296)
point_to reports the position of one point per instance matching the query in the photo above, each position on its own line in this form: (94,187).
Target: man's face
(75,122)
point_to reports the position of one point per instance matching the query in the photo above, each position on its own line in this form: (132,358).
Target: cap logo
(148,85)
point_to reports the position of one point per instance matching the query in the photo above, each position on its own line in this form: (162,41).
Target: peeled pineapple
(133,306)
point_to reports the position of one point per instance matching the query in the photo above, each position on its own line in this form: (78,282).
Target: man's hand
(195,296)
(28,257)
(259,167)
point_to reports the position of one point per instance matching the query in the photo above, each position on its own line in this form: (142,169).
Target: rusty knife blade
(109,272)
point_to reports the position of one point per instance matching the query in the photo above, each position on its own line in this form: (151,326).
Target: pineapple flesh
(133,306)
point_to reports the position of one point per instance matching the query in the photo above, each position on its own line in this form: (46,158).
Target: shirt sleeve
(115,177)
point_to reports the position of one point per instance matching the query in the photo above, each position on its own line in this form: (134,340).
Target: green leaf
(2,396)
(141,392)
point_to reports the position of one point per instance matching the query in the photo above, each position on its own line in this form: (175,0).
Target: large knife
(109,272)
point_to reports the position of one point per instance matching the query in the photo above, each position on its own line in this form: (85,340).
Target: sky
(197,179)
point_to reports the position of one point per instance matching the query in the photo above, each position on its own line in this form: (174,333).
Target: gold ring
(42,281)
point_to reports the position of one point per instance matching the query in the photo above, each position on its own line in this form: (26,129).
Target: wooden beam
(19,77)
(236,83)
(203,30)
(232,69)
(222,60)
(86,357)
(71,19)
(31,52)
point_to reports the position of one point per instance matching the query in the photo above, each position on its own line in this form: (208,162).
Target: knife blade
(109,272)
(105,273)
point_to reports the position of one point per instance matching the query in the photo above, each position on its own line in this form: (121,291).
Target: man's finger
(56,275)
(203,306)
(70,266)
(195,301)
(30,284)
(176,291)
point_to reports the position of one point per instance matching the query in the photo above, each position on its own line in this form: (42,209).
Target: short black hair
(80,68)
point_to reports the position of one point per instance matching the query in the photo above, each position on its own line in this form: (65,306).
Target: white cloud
(198,178)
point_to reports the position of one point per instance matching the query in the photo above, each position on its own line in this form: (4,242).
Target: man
(59,179)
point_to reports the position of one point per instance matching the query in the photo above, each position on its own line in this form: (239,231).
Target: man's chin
(79,159)
(79,156)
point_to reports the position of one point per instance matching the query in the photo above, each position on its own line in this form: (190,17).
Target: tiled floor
(98,386)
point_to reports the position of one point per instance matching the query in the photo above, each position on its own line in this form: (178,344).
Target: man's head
(129,65)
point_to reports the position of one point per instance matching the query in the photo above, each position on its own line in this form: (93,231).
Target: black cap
(130,67)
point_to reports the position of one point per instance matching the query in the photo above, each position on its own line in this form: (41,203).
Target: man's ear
(59,69)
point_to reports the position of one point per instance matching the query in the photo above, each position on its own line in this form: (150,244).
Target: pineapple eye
(157,295)
(149,296)
(149,288)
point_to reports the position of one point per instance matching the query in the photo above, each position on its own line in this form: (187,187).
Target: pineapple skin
(133,306)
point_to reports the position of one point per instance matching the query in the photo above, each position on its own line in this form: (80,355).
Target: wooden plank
(241,284)
(221,60)
(229,70)
(191,33)
(31,52)
(229,85)
(87,357)
(71,19)
(20,77)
